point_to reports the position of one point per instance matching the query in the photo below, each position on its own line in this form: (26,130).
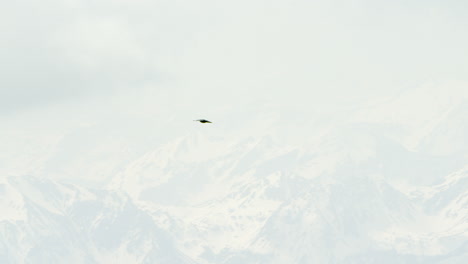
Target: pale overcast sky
(225,52)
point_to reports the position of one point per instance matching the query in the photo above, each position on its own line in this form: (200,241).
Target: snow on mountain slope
(360,207)
(47,222)
(441,230)
(450,200)
(207,190)
(12,203)
(263,202)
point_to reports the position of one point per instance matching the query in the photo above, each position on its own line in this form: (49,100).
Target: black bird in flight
(202,121)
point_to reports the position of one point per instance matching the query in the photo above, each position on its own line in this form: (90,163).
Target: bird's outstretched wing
(203,121)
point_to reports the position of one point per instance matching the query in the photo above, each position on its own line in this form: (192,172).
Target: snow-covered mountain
(378,183)
(268,204)
(46,222)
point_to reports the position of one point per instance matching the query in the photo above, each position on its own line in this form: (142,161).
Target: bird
(202,121)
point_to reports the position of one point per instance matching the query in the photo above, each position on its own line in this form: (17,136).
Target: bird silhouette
(202,121)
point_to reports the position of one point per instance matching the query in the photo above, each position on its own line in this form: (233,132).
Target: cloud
(64,51)
(223,51)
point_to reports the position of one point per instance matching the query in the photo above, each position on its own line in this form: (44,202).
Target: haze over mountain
(355,185)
